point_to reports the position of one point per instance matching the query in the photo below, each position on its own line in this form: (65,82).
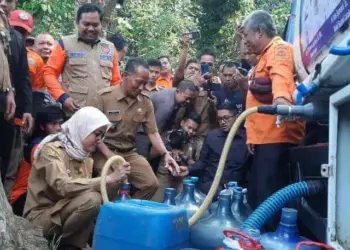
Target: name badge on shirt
(76,54)
(114,112)
(106,57)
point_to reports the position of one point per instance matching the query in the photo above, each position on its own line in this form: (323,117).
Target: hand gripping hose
(114,159)
(221,166)
(279,199)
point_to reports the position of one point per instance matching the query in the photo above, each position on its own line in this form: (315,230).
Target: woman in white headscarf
(62,197)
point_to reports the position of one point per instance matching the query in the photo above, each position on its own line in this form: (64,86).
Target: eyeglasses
(100,135)
(225,118)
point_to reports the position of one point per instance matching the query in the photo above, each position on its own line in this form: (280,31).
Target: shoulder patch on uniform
(31,61)
(49,149)
(105,47)
(281,52)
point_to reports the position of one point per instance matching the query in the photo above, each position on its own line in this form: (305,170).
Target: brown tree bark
(16,233)
(108,11)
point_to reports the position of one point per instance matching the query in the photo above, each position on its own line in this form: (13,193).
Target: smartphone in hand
(194,35)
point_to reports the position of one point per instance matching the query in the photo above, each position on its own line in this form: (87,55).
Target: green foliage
(224,39)
(154,27)
(215,15)
(227,44)
(53,16)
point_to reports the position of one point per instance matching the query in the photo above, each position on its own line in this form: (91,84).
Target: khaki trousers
(77,220)
(142,176)
(166,180)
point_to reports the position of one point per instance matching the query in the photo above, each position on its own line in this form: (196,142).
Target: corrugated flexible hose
(279,199)
(264,212)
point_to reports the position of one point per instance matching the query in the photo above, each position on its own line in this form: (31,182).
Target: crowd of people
(66,108)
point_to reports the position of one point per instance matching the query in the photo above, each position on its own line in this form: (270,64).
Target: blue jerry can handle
(340,51)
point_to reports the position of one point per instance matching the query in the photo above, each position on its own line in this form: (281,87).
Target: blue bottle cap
(170,191)
(289,216)
(232,184)
(187,181)
(194,179)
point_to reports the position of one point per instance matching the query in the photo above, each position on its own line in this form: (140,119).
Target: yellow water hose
(208,199)
(193,220)
(116,159)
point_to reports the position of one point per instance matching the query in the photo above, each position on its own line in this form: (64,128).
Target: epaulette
(144,93)
(106,90)
(50,148)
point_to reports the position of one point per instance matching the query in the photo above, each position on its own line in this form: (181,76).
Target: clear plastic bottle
(124,192)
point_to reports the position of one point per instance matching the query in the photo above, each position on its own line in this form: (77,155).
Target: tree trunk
(108,11)
(16,233)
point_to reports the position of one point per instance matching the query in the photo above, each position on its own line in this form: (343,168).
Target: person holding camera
(183,147)
(238,156)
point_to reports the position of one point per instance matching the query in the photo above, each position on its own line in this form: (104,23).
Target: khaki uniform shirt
(207,111)
(55,179)
(5,81)
(152,90)
(192,149)
(126,114)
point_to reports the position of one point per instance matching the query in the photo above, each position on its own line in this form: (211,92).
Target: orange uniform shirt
(277,62)
(166,83)
(21,182)
(36,69)
(55,66)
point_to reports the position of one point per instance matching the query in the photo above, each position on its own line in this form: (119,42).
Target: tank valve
(278,121)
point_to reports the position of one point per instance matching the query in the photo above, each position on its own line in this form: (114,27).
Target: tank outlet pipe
(116,159)
(308,111)
(279,199)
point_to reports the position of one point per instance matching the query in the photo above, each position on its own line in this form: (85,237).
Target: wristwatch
(9,90)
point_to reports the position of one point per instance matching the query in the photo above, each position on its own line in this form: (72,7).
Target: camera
(177,138)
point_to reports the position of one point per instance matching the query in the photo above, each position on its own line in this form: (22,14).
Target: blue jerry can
(141,225)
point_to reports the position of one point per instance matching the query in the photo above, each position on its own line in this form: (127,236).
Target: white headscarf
(85,121)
